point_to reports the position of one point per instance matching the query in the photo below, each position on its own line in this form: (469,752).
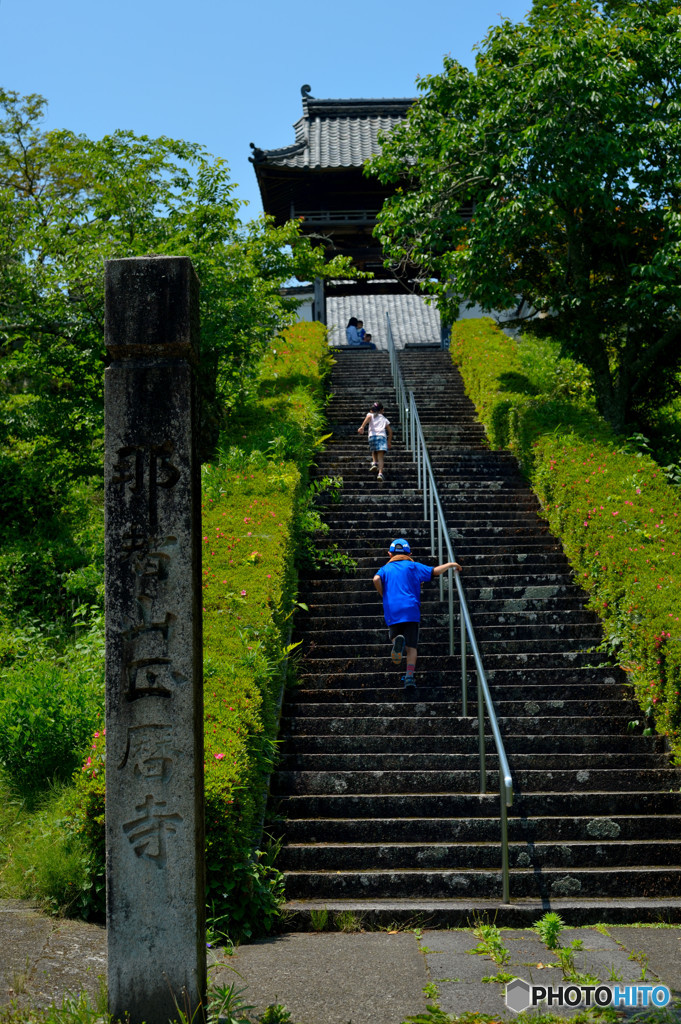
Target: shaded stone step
(438,645)
(637,881)
(536,696)
(459,912)
(431,665)
(446,725)
(296,760)
(317,582)
(474,805)
(364,602)
(467,781)
(512,679)
(577,744)
(563,707)
(622,827)
(524,855)
(369,626)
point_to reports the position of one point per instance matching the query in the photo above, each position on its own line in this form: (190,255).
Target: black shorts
(409,630)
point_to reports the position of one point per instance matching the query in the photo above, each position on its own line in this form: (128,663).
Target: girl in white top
(380,436)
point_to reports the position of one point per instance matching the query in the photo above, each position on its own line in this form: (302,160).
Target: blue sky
(226,73)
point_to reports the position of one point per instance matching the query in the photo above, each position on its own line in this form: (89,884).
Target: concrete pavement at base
(337,977)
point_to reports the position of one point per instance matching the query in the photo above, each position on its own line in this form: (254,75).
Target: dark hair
(377,406)
(352,322)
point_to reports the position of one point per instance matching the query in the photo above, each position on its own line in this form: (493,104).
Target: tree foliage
(566,139)
(67,203)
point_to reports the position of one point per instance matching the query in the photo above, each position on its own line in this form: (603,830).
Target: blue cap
(400,546)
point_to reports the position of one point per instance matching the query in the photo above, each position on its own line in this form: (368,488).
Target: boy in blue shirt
(399,584)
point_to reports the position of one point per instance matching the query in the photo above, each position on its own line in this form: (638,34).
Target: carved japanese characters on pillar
(154,800)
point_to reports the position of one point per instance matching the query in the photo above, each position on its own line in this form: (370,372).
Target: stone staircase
(379,792)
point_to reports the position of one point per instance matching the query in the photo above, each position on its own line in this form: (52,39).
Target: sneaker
(380,476)
(373,467)
(399,643)
(409,682)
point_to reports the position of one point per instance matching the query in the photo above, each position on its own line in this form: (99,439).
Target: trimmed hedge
(617,516)
(250,499)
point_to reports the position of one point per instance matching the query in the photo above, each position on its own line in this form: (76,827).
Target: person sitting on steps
(399,584)
(352,335)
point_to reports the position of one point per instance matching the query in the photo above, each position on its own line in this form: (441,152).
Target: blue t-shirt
(402,590)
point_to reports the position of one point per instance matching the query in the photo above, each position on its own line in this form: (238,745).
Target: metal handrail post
(503,817)
(450,583)
(464,669)
(481,738)
(439,557)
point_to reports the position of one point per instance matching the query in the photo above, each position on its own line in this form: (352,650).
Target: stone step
(369,625)
(624,827)
(473,805)
(636,881)
(499,587)
(438,646)
(522,744)
(439,725)
(516,709)
(538,695)
(363,603)
(512,680)
(295,760)
(434,667)
(467,781)
(483,855)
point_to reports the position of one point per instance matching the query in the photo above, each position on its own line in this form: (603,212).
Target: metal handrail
(398,384)
(434,513)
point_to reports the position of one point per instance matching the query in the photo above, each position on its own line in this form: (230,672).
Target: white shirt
(377,424)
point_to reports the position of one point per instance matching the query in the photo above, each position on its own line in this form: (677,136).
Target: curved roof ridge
(336,132)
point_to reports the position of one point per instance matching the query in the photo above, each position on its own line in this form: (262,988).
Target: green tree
(67,203)
(566,141)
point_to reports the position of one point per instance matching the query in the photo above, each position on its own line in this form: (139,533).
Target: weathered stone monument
(154,706)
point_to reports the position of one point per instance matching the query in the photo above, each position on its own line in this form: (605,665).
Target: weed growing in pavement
(346,921)
(319,919)
(548,928)
(641,958)
(490,943)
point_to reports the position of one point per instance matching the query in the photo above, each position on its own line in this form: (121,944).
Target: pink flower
(219,757)
(243,593)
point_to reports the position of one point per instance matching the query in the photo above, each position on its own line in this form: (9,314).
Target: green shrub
(48,712)
(611,505)
(43,860)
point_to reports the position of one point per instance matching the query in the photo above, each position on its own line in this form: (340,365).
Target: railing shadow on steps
(433,513)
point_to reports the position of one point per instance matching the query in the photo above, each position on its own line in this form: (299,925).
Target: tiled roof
(336,133)
(411,318)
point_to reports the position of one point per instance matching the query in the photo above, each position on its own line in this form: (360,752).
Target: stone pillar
(155,846)
(319,307)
